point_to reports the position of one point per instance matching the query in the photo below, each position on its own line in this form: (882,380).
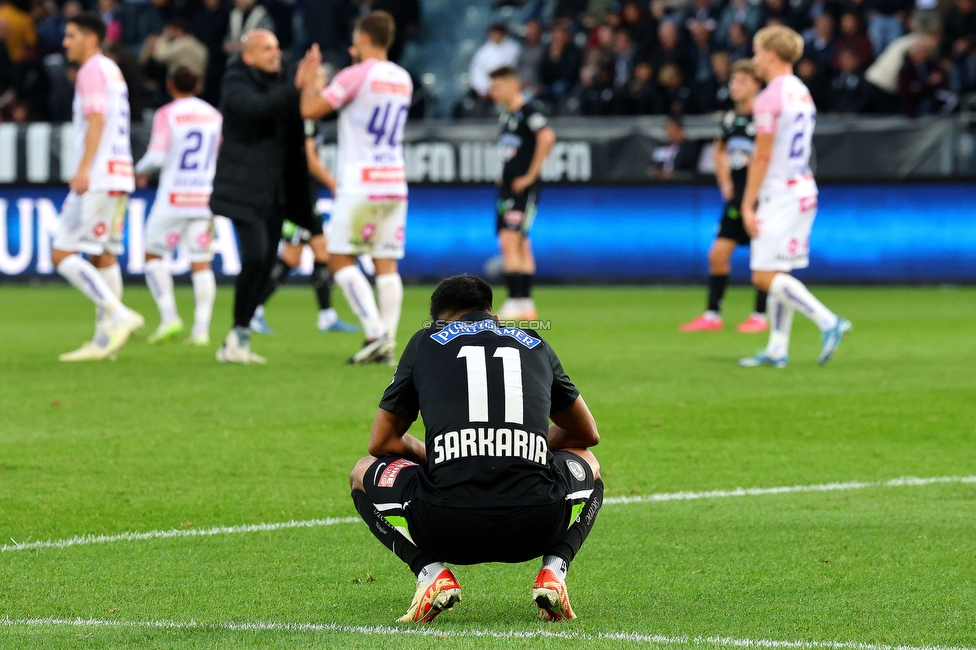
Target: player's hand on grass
(749,221)
(79,184)
(521,183)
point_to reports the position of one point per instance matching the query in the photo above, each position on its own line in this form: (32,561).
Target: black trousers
(258,242)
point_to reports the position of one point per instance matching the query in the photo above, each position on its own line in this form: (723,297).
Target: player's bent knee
(359,471)
(590,459)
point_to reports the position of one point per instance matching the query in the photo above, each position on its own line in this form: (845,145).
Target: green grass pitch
(165,438)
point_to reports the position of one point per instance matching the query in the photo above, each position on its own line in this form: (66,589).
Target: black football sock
(527,284)
(717,284)
(761,301)
(513,280)
(322,283)
(391,538)
(570,544)
(278,276)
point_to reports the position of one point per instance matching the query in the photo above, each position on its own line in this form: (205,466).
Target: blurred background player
(369,214)
(295,238)
(525,141)
(184,143)
(93,215)
(781,182)
(733,151)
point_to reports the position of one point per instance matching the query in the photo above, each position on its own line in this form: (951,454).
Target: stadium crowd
(589,57)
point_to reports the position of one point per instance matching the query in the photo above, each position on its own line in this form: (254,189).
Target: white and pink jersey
(375,99)
(100,88)
(184,143)
(786,110)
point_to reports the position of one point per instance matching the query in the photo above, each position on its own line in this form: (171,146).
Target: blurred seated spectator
(129,66)
(959,27)
(883,75)
(574,10)
(739,43)
(112,17)
(641,96)
(920,81)
(17,32)
(599,51)
(675,95)
(849,92)
(327,24)
(816,82)
(668,48)
(560,66)
(886,21)
(531,56)
(176,48)
(624,53)
(50,30)
(701,11)
(699,57)
(779,12)
(209,25)
(821,43)
(713,95)
(745,13)
(497,52)
(810,11)
(406,18)
(678,157)
(245,16)
(853,37)
(597,96)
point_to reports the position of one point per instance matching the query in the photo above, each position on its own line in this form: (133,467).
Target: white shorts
(165,232)
(374,226)
(92,223)
(783,243)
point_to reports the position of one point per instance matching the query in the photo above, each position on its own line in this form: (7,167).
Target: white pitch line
(84,540)
(385,630)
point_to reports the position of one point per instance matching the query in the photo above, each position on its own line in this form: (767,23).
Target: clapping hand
(307,75)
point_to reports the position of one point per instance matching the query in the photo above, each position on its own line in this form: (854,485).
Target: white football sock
(389,291)
(780,324)
(204,294)
(327,318)
(355,287)
(86,279)
(430,571)
(113,278)
(160,282)
(793,292)
(557,565)
(259,311)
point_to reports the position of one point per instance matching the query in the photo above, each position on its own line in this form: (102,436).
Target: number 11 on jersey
(476,361)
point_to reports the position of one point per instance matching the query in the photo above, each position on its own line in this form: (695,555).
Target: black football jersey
(485,394)
(738,134)
(517,141)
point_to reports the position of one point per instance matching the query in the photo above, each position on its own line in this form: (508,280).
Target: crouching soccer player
(494,482)
(781,182)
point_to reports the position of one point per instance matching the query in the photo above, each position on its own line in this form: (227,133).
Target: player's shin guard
(204,294)
(780,324)
(359,294)
(389,536)
(576,534)
(322,283)
(794,293)
(160,283)
(86,278)
(389,292)
(717,284)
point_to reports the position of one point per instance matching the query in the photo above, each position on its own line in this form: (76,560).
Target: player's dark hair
(506,71)
(380,28)
(185,80)
(501,28)
(460,294)
(89,23)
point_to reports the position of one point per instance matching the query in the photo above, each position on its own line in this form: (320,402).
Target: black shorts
(476,535)
(516,212)
(731,226)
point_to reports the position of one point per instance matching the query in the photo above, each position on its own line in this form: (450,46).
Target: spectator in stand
(821,44)
(327,23)
(176,48)
(50,30)
(598,97)
(17,32)
(675,95)
(668,48)
(131,72)
(599,52)
(739,43)
(574,10)
(209,25)
(624,53)
(883,75)
(778,12)
(849,92)
(560,67)
(700,64)
(640,24)
(406,19)
(742,12)
(498,51)
(701,11)
(852,37)
(530,57)
(642,96)
(960,43)
(920,81)
(721,99)
(816,81)
(112,17)
(807,17)
(679,157)
(886,21)
(247,15)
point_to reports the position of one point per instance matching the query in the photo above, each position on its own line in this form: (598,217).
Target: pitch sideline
(384,630)
(84,540)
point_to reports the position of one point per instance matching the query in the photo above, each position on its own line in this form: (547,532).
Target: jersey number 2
(477,367)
